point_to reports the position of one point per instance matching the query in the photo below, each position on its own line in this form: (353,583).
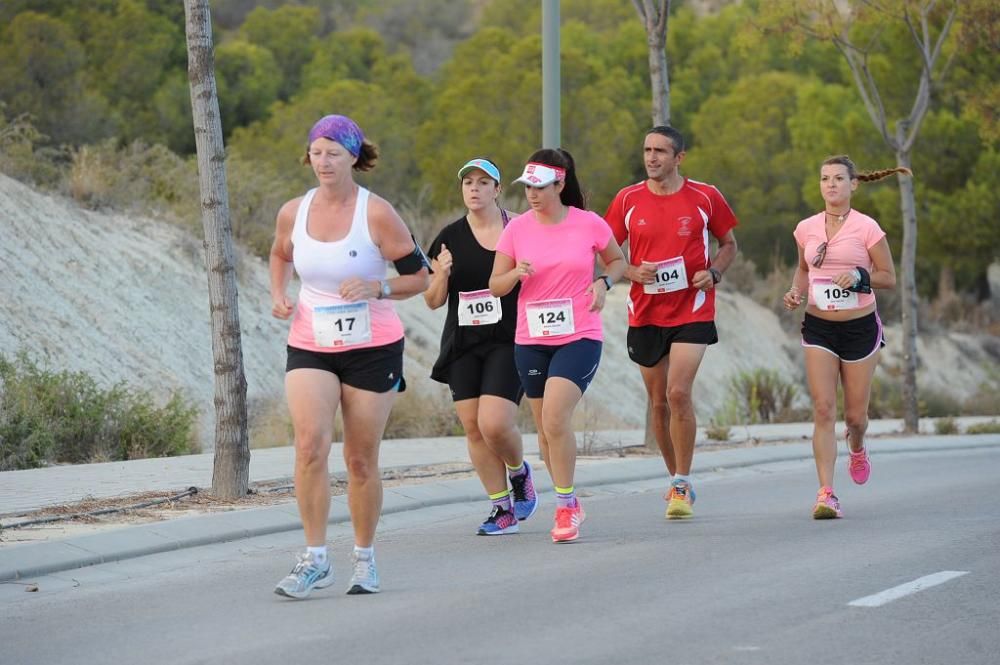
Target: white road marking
(897,592)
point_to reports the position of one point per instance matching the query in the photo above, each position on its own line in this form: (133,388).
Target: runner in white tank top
(345,347)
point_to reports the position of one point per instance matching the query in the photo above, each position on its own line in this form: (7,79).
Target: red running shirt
(662,227)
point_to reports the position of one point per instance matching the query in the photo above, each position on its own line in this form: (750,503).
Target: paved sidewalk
(32,560)
(25,491)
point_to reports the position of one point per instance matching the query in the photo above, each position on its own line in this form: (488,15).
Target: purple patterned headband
(341,129)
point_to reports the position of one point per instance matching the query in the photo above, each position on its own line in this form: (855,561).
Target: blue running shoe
(525,500)
(499,523)
(305,576)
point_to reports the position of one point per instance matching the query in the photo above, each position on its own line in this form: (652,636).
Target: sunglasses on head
(820,256)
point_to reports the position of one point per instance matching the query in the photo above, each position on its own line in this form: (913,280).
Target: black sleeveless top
(470,271)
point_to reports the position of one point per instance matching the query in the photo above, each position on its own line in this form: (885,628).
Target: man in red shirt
(666,220)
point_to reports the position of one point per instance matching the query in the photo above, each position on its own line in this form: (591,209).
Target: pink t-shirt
(562,256)
(847,251)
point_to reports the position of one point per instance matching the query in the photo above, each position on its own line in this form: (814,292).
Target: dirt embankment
(126,299)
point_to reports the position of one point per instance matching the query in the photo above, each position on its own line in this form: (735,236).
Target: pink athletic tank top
(323,321)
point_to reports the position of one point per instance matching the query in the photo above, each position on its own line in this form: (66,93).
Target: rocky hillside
(125,299)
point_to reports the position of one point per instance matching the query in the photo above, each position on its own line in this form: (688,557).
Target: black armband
(413,262)
(864,283)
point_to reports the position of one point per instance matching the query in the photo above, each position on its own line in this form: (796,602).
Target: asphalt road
(751,579)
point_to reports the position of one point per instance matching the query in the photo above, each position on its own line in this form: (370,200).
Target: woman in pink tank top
(345,347)
(843,256)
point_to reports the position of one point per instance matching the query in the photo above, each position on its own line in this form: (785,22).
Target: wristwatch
(716,275)
(385,290)
(607,281)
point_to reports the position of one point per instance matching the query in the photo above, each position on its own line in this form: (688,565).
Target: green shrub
(762,396)
(946,426)
(990,427)
(136,178)
(421,411)
(887,401)
(985,402)
(717,432)
(65,417)
(23,155)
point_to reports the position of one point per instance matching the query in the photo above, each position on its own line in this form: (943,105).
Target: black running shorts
(647,345)
(378,369)
(487,369)
(851,341)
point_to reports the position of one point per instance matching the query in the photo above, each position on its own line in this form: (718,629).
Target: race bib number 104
(671,275)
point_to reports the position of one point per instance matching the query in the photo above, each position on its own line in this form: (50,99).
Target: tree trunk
(655,15)
(946,284)
(231,473)
(907,269)
(659,78)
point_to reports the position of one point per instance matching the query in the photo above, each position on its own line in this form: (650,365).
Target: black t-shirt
(471,268)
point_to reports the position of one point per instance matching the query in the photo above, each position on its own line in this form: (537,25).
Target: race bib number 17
(342,325)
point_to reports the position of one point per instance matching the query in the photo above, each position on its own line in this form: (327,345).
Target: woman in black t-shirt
(477,348)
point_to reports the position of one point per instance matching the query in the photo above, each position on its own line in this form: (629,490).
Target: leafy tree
(130,52)
(249,79)
(425,29)
(290,34)
(173,121)
(747,148)
(42,74)
(962,225)
(351,54)
(487,103)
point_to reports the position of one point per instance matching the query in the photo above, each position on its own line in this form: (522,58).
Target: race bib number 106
(478,308)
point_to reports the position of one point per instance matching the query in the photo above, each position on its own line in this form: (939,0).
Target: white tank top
(322,266)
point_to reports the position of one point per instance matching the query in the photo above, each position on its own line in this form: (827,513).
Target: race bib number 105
(828,296)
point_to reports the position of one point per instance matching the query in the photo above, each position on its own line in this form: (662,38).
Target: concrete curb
(40,559)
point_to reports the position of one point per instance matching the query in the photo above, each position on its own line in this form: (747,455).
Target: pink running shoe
(859,466)
(827,505)
(568,521)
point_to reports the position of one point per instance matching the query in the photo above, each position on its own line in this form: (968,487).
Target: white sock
(686,479)
(364,552)
(319,554)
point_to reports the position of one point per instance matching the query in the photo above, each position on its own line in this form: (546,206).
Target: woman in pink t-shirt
(843,256)
(550,251)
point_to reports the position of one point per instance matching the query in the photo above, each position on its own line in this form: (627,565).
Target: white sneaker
(305,576)
(365,577)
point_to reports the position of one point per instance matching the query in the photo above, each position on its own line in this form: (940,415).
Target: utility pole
(550,75)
